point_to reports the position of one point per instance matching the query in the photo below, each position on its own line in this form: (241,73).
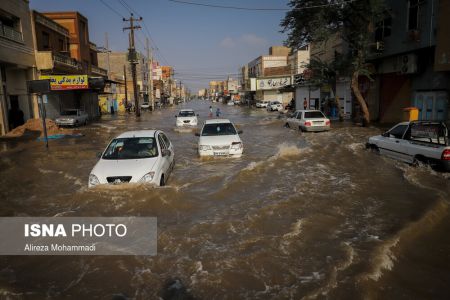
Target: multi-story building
(411,51)
(66,57)
(269,75)
(216,88)
(16,64)
(120,71)
(322,96)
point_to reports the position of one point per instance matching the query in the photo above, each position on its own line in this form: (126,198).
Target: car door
(394,145)
(164,162)
(170,147)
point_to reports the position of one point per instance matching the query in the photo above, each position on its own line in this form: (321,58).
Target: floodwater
(299,216)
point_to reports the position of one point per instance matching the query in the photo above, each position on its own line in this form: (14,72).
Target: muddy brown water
(299,216)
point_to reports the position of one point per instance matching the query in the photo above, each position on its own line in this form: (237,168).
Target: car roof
(216,121)
(137,133)
(186,109)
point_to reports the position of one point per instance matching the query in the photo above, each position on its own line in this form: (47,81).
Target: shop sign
(67,82)
(272,83)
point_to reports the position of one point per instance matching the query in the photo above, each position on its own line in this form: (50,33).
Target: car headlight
(236,145)
(147,177)
(93,180)
(204,147)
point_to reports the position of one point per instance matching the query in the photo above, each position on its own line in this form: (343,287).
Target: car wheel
(287,125)
(301,129)
(85,122)
(162,181)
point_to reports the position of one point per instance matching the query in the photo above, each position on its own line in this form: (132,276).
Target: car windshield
(69,113)
(314,114)
(131,148)
(186,113)
(218,129)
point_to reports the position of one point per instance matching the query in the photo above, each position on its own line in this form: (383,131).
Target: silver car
(72,117)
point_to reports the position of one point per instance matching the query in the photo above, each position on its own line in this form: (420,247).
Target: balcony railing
(51,24)
(11,33)
(66,60)
(99,71)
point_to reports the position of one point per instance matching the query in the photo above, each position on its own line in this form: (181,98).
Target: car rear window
(218,129)
(186,114)
(429,133)
(131,148)
(313,115)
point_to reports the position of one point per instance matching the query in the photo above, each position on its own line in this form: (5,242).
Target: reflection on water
(298,216)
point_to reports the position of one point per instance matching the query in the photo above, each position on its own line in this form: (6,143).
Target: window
(45,40)
(165,139)
(131,148)
(383,29)
(61,45)
(398,131)
(313,115)
(414,14)
(161,142)
(299,116)
(218,129)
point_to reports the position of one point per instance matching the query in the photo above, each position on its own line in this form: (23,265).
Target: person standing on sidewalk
(305,103)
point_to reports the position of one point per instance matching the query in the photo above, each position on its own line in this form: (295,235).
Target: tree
(317,20)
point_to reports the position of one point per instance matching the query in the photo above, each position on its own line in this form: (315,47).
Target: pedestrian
(210,112)
(305,103)
(218,112)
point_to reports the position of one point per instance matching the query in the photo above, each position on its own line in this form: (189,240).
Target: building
(322,96)
(410,55)
(17,64)
(216,88)
(119,70)
(65,55)
(269,75)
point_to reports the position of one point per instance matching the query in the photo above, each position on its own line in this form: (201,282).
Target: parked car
(261,104)
(274,106)
(308,120)
(186,117)
(231,103)
(415,142)
(72,117)
(219,137)
(145,106)
(143,156)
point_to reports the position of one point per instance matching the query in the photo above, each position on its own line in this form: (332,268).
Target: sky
(201,43)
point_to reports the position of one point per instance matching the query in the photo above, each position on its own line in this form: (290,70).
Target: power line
(257,8)
(112,9)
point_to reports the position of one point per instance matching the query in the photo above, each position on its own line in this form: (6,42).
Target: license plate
(220,153)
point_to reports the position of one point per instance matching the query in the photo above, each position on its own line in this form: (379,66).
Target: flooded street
(298,216)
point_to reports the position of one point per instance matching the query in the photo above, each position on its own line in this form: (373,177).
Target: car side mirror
(240,132)
(385,134)
(99,154)
(166,152)
(197,134)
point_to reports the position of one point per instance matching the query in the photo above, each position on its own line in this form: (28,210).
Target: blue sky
(202,43)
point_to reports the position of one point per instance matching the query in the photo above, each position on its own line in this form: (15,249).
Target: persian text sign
(272,83)
(78,236)
(67,82)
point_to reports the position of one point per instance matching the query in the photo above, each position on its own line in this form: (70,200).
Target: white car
(186,117)
(72,117)
(415,142)
(308,120)
(275,105)
(143,156)
(231,103)
(262,104)
(219,137)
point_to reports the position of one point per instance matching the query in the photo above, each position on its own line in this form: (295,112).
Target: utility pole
(132,58)
(126,87)
(150,75)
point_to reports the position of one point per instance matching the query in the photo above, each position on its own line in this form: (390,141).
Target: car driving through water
(219,137)
(415,142)
(144,156)
(308,120)
(186,117)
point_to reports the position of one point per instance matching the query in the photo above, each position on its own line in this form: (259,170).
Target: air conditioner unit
(407,64)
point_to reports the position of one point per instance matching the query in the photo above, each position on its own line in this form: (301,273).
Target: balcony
(49,23)
(11,34)
(47,60)
(98,71)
